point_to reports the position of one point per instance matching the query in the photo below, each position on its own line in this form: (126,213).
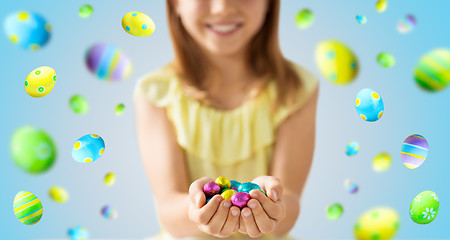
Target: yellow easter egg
(40,81)
(379,223)
(228,193)
(223,182)
(58,194)
(138,24)
(336,62)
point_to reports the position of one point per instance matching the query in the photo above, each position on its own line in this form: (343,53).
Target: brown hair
(264,56)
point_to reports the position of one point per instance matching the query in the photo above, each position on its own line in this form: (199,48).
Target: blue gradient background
(408,110)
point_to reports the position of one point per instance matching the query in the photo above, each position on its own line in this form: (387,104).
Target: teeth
(224,28)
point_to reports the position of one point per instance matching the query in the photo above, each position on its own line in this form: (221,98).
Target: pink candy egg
(211,188)
(240,199)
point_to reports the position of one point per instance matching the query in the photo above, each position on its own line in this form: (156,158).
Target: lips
(224,29)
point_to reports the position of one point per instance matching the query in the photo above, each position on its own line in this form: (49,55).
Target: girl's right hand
(218,217)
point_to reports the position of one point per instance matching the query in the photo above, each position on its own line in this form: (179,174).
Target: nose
(222,7)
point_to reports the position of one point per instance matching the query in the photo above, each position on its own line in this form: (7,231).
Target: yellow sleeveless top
(237,143)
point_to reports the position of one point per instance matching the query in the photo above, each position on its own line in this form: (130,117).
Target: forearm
(292,213)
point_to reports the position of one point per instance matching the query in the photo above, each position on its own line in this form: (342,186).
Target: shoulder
(309,80)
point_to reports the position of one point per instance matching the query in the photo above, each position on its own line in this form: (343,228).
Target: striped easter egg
(432,72)
(27,208)
(108,62)
(109,212)
(414,151)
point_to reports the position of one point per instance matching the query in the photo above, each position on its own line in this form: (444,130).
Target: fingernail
(252,205)
(227,204)
(254,195)
(247,214)
(234,212)
(275,195)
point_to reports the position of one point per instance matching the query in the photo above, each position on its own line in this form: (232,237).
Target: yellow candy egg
(40,81)
(223,182)
(228,193)
(138,24)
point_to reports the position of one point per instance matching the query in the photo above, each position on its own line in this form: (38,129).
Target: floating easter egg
(334,211)
(78,233)
(40,81)
(240,199)
(385,60)
(361,19)
(352,149)
(32,149)
(108,62)
(211,188)
(223,182)
(79,104)
(424,207)
(381,162)
(406,24)
(138,24)
(351,186)
(369,105)
(27,208)
(248,186)
(120,109)
(109,212)
(304,18)
(432,72)
(58,194)
(228,193)
(28,30)
(377,223)
(88,148)
(110,179)
(381,5)
(85,11)
(234,185)
(336,62)
(414,151)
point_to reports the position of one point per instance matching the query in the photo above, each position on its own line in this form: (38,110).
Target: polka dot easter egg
(40,81)
(28,30)
(369,105)
(352,149)
(377,223)
(414,151)
(108,62)
(27,208)
(432,72)
(424,207)
(361,19)
(138,24)
(88,148)
(109,212)
(334,211)
(78,233)
(58,194)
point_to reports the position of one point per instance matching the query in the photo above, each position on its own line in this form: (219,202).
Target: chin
(225,51)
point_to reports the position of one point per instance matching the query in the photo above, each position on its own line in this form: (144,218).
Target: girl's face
(222,27)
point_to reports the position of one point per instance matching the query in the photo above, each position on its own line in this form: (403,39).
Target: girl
(228,105)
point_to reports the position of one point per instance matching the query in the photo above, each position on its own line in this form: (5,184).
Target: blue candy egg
(352,148)
(369,105)
(234,184)
(28,30)
(88,148)
(247,187)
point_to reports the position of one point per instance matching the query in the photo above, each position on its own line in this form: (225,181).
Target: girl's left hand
(263,213)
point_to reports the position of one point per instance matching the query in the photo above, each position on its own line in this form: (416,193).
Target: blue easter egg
(28,30)
(78,233)
(247,187)
(234,184)
(352,148)
(369,105)
(88,148)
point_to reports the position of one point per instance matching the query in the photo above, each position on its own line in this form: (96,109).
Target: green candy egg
(79,104)
(424,207)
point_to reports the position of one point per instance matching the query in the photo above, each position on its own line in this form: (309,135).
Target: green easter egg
(334,211)
(120,109)
(424,207)
(432,72)
(79,104)
(386,60)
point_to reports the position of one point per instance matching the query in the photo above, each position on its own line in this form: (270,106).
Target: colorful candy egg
(304,18)
(88,148)
(27,208)
(85,11)
(110,179)
(78,233)
(223,182)
(414,151)
(385,60)
(228,193)
(351,186)
(108,62)
(120,109)
(381,5)
(138,24)
(334,211)
(361,19)
(248,186)
(424,207)
(58,194)
(240,199)
(211,188)
(381,162)
(369,105)
(79,104)
(32,149)
(406,24)
(336,62)
(109,212)
(40,81)
(28,30)
(432,72)
(377,223)
(352,149)
(234,185)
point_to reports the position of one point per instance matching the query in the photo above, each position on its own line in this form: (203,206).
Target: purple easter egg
(108,62)
(211,188)
(240,199)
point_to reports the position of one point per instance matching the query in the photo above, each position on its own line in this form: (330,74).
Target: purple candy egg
(211,188)
(240,199)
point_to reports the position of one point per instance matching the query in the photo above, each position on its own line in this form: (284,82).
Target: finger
(242,225)
(272,209)
(232,222)
(250,224)
(264,223)
(196,194)
(273,188)
(218,219)
(205,214)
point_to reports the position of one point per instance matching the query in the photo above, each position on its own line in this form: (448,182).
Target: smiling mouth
(224,29)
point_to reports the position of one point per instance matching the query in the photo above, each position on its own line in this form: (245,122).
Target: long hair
(264,57)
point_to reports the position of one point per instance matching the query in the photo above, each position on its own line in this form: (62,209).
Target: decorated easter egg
(351,186)
(414,151)
(424,207)
(109,179)
(377,223)
(432,72)
(120,109)
(85,11)
(361,19)
(336,62)
(228,193)
(304,18)
(381,5)
(352,149)
(58,194)
(79,104)
(78,233)
(109,212)
(369,105)
(211,188)
(108,62)
(32,149)
(138,24)
(88,148)
(385,60)
(247,187)
(223,182)
(334,211)
(234,185)
(381,162)
(240,199)
(406,24)
(27,208)
(28,30)
(40,81)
